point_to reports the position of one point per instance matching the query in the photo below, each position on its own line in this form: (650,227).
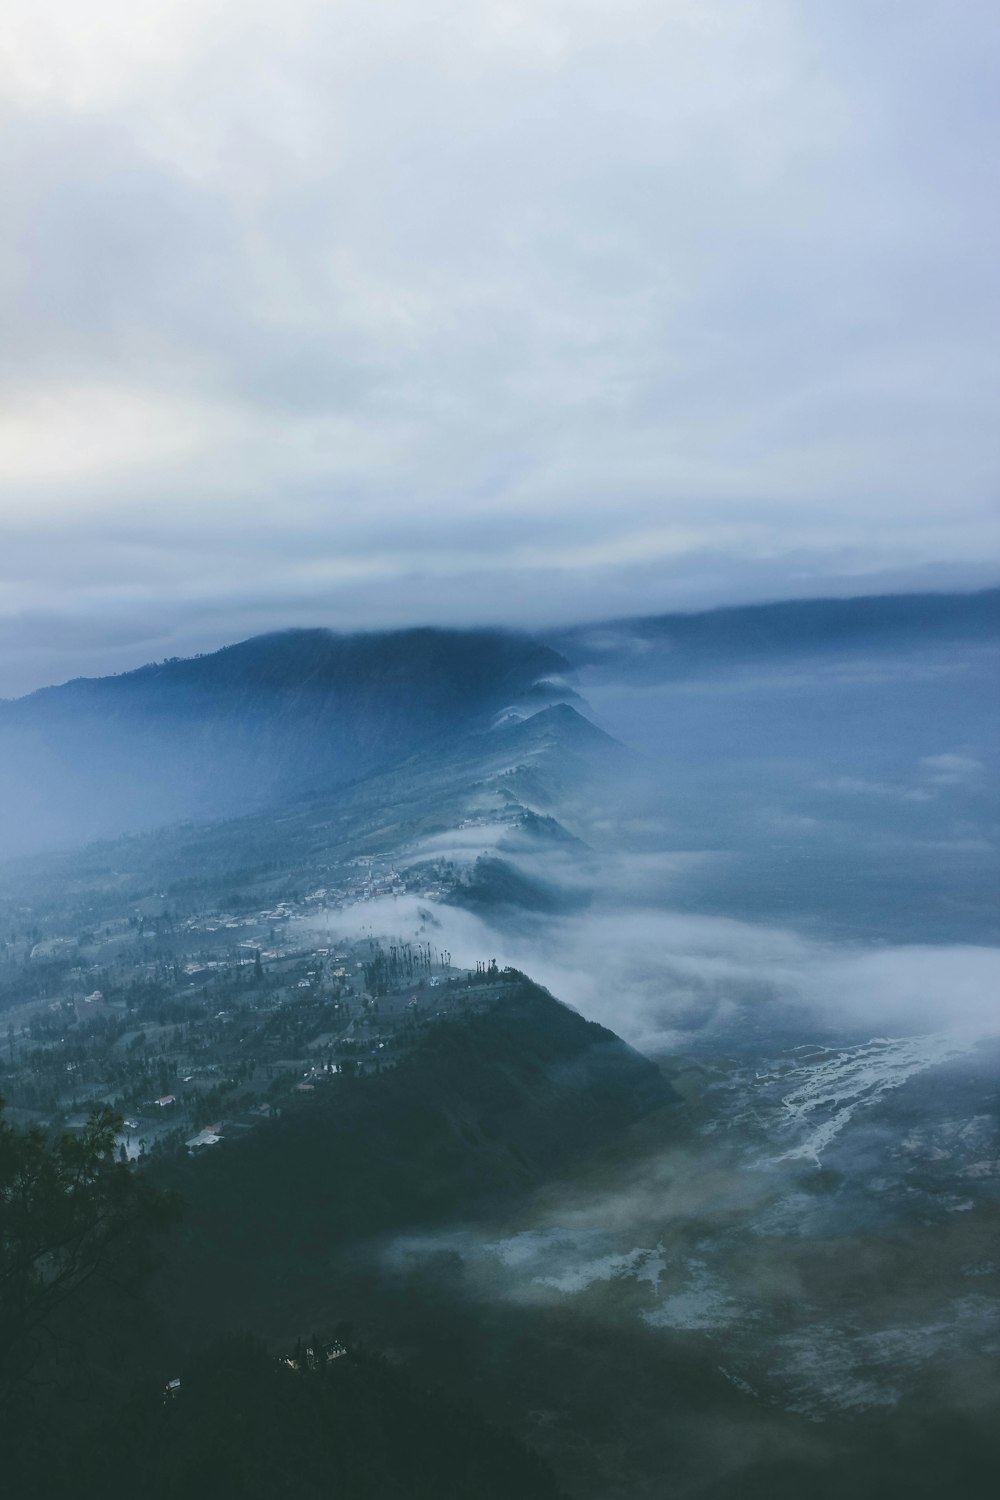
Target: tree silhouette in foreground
(77,1228)
(76,1224)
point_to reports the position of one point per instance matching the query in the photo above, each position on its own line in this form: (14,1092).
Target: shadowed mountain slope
(484,1107)
(249,726)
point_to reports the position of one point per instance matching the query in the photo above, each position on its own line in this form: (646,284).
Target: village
(197,1026)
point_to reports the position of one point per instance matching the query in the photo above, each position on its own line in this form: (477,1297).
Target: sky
(368,314)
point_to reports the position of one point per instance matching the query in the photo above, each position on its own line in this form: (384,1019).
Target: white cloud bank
(665,980)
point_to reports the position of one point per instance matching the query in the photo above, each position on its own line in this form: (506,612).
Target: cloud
(671,981)
(367,313)
(951,769)
(858,786)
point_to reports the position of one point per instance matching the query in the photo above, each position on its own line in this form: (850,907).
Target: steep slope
(525,770)
(247,727)
(485,1106)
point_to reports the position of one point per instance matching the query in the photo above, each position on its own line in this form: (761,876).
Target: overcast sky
(368,313)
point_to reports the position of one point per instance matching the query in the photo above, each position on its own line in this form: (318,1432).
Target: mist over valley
(755,1163)
(499,749)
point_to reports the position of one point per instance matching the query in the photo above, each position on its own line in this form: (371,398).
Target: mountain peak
(565,724)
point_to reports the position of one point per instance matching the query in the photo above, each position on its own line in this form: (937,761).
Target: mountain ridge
(252,726)
(672,640)
(295,713)
(303,657)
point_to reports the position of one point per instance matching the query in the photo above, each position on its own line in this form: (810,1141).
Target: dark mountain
(656,646)
(270,1234)
(483,1107)
(249,726)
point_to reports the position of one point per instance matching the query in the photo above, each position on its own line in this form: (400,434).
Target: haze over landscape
(499,748)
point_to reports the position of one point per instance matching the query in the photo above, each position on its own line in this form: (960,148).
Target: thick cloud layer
(367,314)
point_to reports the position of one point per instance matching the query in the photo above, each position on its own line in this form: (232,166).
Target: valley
(731,1217)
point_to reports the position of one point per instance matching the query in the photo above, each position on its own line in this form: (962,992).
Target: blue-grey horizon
(365,315)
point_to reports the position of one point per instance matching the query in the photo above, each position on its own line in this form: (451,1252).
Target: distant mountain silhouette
(671,645)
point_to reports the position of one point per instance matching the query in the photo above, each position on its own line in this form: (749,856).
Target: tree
(72,1217)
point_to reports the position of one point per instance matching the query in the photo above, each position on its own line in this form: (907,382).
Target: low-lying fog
(793,888)
(669,981)
(799,847)
(853,794)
